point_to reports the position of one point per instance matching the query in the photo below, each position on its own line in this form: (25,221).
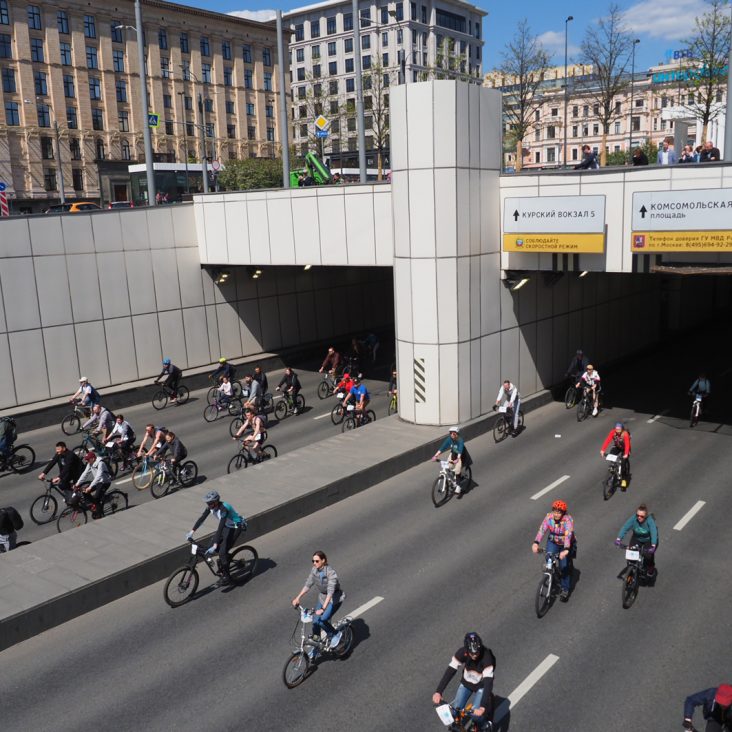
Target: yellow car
(74,207)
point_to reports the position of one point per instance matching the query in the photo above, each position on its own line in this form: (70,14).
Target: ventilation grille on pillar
(420,388)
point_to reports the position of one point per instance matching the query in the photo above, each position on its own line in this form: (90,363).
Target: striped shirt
(560,532)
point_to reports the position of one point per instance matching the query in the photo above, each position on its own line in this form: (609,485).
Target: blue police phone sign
(3,186)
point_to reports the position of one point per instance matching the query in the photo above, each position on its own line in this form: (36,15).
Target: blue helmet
(166,362)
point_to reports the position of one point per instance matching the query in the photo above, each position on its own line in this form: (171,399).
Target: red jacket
(616,439)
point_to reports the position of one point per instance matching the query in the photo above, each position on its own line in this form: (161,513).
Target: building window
(90,26)
(251,133)
(231,131)
(349,65)
(551,155)
(36,51)
(400,11)
(49,179)
(126,150)
(332,48)
(574,153)
(333,68)
(97,119)
(101,154)
(77,177)
(208,105)
(333,106)
(247,78)
(351,124)
(366,42)
(267,56)
(537,157)
(39,77)
(386,80)
(184,45)
(300,32)
(315,28)
(62,21)
(350,85)
(267,82)
(189,129)
(270,134)
(348,45)
(186,70)
(118,61)
(330,24)
(95,88)
(209,129)
(226,50)
(206,73)
(413,11)
(5,48)
(44,115)
(617,128)
(366,62)
(333,87)
(205,49)
(636,124)
(585,110)
(92,57)
(639,102)
(115,30)
(316,71)
(230,107)
(595,129)
(424,15)
(250,109)
(301,92)
(575,111)
(75,148)
(34,17)
(269,111)
(169,127)
(315,52)
(12,118)
(188,103)
(365,17)
(167,101)
(162,39)
(65,54)
(574,130)
(124,121)
(165,67)
(247,53)
(228,76)
(300,55)
(71,119)
(384,59)
(47,148)
(550,132)
(9,81)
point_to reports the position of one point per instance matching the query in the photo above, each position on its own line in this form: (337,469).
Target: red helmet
(559,506)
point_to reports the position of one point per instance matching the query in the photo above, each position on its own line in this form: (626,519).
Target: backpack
(94,395)
(12,433)
(10,517)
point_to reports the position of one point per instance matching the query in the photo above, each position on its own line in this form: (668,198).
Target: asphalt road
(587,666)
(209,444)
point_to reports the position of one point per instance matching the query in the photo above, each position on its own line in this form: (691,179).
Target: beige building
(660,108)
(66,69)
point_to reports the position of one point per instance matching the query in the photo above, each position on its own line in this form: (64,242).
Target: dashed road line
(322,416)
(550,487)
(658,416)
(124,480)
(366,606)
(693,511)
(524,687)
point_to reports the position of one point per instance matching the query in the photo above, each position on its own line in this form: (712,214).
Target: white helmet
(454,429)
(83,379)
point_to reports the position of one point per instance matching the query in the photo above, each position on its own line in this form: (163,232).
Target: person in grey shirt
(325,580)
(254,389)
(103,419)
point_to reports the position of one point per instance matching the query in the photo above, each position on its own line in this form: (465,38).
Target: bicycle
(233,407)
(570,396)
(20,459)
(613,479)
(144,472)
(166,477)
(393,407)
(338,412)
(71,423)
(550,584)
(74,516)
(212,393)
(584,408)
(696,410)
(443,489)
(93,443)
(460,720)
(245,457)
(165,393)
(503,426)
(288,404)
(183,582)
(356,418)
(43,509)
(327,386)
(635,571)
(298,665)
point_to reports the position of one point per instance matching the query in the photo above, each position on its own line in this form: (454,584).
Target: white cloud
(261,16)
(671,20)
(553,43)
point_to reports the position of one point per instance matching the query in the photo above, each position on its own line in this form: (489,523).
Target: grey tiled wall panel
(165,273)
(140,282)
(172,337)
(15,241)
(249,326)
(269,317)
(19,294)
(113,284)
(94,356)
(121,350)
(289,325)
(7,383)
(29,359)
(84,283)
(77,233)
(212,331)
(227,317)
(147,343)
(63,368)
(196,336)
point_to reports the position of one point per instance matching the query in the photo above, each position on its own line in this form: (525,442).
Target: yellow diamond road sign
(322,123)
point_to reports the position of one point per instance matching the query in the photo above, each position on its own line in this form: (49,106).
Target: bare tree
(376,85)
(525,63)
(704,72)
(607,47)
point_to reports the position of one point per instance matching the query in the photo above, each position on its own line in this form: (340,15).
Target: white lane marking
(658,416)
(524,687)
(322,416)
(366,606)
(693,511)
(124,480)
(550,487)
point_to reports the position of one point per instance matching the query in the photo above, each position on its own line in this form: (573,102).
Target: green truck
(315,173)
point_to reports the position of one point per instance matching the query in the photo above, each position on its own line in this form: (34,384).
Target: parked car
(121,204)
(73,207)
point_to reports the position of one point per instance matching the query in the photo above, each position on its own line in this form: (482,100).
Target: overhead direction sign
(564,224)
(697,220)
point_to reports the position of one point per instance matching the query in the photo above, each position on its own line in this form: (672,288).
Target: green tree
(244,175)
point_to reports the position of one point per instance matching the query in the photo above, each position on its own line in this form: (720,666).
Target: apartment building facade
(401,42)
(70,71)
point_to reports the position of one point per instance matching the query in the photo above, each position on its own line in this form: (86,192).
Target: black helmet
(473,643)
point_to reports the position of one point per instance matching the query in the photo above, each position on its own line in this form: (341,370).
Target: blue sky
(661,25)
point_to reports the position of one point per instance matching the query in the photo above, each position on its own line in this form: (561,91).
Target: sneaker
(295,411)
(224,581)
(594,412)
(564,595)
(335,640)
(458,490)
(623,484)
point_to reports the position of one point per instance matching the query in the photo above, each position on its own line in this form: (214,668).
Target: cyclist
(701,386)
(326,581)
(177,450)
(8,435)
(716,704)
(261,377)
(224,369)
(577,365)
(292,386)
(10,523)
(172,376)
(96,473)
(331,362)
(103,419)
(345,384)
(123,436)
(224,393)
(479,665)
(360,394)
(509,394)
(393,383)
(372,344)
(645,535)
(255,423)
(230,527)
(559,528)
(86,393)
(620,438)
(590,379)
(254,389)
(459,455)
(70,467)
(156,436)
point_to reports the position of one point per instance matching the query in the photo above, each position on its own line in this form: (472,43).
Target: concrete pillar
(446,156)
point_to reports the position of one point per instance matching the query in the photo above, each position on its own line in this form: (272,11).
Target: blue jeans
(552,548)
(4,449)
(463,696)
(321,621)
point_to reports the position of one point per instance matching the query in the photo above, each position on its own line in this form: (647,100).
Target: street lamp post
(566,87)
(201,109)
(632,88)
(284,143)
(359,92)
(185,135)
(57,134)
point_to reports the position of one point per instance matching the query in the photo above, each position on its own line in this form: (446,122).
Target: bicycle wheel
(160,399)
(393,407)
(114,501)
(235,426)
(236,389)
(500,429)
(299,402)
(343,648)
(296,669)
(543,595)
(238,462)
(181,586)
(182,394)
(336,414)
(243,564)
(269,452)
(211,395)
(22,459)
(188,473)
(71,424)
(71,518)
(281,409)
(630,587)
(160,484)
(440,491)
(349,423)
(267,402)
(142,476)
(235,407)
(583,410)
(692,417)
(324,390)
(466,477)
(211,413)
(370,416)
(608,486)
(43,509)
(570,397)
